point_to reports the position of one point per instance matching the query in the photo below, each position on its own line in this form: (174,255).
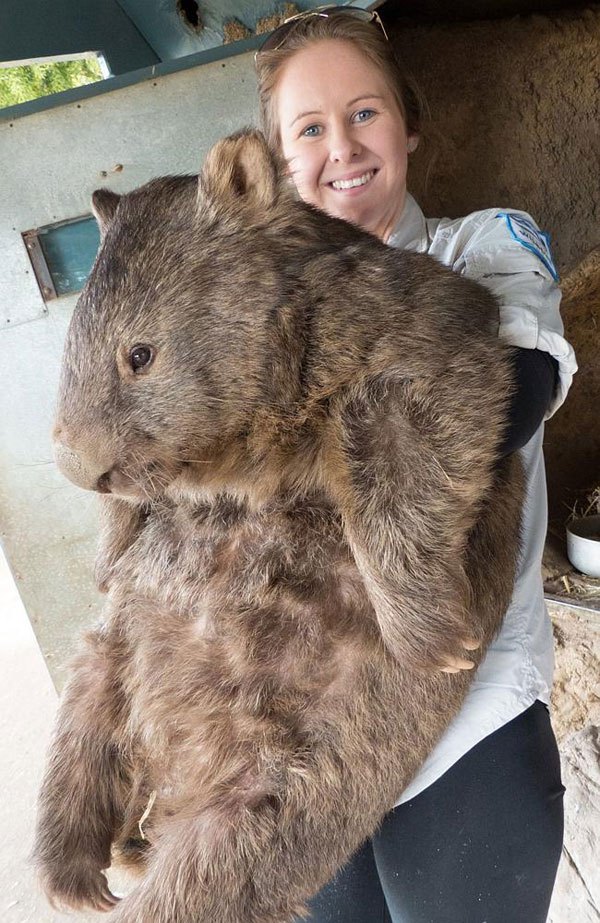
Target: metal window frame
(35,252)
(39,264)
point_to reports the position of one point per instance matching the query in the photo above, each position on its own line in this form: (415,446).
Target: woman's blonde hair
(366,36)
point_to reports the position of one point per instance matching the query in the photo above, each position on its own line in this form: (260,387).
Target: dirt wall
(572,438)
(515,120)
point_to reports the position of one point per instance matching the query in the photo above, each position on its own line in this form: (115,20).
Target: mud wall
(572,440)
(515,121)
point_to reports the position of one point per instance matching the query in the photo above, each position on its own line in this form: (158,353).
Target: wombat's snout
(95,461)
(91,474)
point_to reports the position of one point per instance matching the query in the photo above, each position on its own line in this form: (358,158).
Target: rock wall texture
(515,121)
(572,439)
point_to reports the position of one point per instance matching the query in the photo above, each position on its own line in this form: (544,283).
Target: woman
(477,835)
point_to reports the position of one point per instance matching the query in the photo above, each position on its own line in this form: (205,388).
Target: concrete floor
(27,706)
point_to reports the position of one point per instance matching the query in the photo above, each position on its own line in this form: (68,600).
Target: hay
(561,581)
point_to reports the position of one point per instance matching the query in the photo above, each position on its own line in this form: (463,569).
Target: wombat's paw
(452,654)
(431,648)
(77,887)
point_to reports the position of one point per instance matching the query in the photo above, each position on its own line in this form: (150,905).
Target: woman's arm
(536,379)
(508,254)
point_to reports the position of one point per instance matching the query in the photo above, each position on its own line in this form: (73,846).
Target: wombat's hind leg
(88,888)
(82,796)
(258,862)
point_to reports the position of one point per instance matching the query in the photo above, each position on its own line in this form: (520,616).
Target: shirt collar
(410,230)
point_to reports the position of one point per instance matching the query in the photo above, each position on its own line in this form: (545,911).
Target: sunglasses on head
(280,35)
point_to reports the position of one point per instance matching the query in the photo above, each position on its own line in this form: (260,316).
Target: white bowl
(583,545)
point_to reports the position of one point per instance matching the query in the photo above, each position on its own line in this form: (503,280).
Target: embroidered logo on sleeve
(526,233)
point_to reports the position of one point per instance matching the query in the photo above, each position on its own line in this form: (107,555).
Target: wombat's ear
(104,206)
(239,173)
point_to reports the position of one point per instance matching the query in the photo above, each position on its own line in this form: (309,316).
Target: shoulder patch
(528,235)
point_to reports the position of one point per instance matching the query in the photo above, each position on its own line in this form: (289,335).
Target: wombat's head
(168,347)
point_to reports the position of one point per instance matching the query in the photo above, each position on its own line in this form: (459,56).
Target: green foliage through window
(29,81)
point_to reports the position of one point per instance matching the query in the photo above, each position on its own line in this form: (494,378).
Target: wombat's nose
(103,483)
(82,471)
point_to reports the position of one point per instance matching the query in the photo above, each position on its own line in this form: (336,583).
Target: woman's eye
(311,131)
(141,357)
(363,115)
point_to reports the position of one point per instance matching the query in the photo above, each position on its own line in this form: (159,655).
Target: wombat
(295,430)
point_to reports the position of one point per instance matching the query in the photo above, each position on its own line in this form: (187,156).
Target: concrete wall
(52,161)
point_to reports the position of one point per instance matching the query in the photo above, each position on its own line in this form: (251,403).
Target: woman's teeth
(350,183)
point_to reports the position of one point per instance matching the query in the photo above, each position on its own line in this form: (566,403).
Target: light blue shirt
(506,252)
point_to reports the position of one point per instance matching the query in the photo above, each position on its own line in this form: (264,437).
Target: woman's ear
(412,143)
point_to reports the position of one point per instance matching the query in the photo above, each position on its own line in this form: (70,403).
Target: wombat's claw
(456,664)
(102,898)
(106,900)
(89,891)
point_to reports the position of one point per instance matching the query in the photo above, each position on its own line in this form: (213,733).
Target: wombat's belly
(232,676)
(252,660)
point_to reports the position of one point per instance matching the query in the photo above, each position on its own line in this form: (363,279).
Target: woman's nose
(344,146)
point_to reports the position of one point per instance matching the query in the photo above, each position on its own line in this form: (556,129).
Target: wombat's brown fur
(296,428)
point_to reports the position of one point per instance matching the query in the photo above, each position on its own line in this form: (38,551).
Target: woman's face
(343,135)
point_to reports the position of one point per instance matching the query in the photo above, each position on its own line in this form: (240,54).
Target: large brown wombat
(296,430)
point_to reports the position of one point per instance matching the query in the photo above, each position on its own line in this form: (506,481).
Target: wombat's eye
(141,357)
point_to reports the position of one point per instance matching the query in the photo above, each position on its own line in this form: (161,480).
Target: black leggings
(480,845)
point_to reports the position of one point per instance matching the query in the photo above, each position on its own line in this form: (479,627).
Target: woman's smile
(349,184)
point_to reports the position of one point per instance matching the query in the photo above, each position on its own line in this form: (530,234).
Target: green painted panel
(70,250)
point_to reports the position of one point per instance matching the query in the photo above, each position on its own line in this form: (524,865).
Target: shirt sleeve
(517,267)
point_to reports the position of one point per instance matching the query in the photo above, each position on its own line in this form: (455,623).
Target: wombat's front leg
(120,524)
(411,483)
(80,799)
